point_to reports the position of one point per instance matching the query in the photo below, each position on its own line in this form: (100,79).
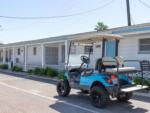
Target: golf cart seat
(109,61)
(114,65)
(119,63)
(103,63)
(122,70)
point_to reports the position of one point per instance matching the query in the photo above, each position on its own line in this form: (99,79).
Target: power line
(144,3)
(61,16)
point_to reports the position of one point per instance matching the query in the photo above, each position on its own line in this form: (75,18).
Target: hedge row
(17,69)
(139,81)
(49,72)
(3,66)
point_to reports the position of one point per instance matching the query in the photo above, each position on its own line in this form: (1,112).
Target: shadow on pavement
(83,100)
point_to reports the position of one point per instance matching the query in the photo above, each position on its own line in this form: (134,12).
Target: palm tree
(100,26)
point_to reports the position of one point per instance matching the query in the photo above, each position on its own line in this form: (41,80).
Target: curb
(44,78)
(27,75)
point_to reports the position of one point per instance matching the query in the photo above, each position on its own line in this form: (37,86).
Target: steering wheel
(85,59)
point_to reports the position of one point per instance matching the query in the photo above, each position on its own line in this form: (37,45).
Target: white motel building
(53,51)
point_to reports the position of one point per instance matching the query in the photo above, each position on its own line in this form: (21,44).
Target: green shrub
(139,81)
(61,75)
(39,71)
(3,66)
(17,69)
(30,71)
(51,72)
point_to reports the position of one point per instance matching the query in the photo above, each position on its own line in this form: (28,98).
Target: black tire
(99,96)
(124,97)
(84,91)
(63,88)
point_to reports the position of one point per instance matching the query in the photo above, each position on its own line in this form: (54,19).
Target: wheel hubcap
(96,97)
(62,88)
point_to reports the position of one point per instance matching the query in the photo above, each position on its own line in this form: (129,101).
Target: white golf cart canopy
(95,38)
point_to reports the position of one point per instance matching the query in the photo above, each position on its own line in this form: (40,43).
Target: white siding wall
(129,49)
(34,59)
(75,58)
(21,56)
(97,53)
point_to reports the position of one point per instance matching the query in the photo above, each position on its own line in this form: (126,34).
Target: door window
(110,48)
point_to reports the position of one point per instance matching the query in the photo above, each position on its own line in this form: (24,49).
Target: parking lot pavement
(27,95)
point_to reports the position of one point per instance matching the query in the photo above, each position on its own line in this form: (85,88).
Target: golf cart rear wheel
(99,96)
(124,97)
(63,88)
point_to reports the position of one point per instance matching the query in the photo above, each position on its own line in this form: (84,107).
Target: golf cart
(110,78)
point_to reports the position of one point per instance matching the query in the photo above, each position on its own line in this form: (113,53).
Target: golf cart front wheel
(63,88)
(124,97)
(99,96)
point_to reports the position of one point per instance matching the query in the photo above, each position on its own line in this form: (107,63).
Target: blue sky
(113,15)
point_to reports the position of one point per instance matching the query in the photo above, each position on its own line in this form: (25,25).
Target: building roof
(119,30)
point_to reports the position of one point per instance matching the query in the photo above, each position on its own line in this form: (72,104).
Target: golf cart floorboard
(133,88)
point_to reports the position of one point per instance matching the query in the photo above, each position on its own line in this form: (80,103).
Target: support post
(13,55)
(59,54)
(43,55)
(117,48)
(4,56)
(25,58)
(8,55)
(66,51)
(103,47)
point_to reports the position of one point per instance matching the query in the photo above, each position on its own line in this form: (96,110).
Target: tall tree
(100,26)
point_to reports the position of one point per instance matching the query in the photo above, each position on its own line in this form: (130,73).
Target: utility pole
(128,12)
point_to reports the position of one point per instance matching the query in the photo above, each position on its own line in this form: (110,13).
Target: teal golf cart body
(108,78)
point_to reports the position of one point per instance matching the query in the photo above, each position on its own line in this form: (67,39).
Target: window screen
(34,50)
(18,51)
(144,45)
(88,49)
(51,55)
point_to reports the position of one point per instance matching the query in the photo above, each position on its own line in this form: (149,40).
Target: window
(88,49)
(18,51)
(144,45)
(51,55)
(34,51)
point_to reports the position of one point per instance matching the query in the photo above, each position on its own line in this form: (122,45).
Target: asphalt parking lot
(29,95)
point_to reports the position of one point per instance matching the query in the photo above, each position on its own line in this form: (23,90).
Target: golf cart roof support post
(69,50)
(103,47)
(90,50)
(117,47)
(90,53)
